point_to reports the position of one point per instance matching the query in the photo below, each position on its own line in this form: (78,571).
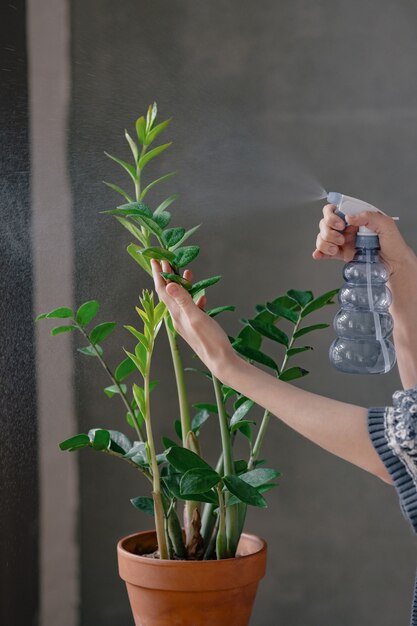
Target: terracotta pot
(190,593)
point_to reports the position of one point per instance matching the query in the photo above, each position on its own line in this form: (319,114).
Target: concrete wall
(270,101)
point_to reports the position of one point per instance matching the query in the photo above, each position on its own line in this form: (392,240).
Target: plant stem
(232,528)
(265,420)
(120,456)
(114,381)
(221,541)
(259,440)
(156,493)
(208,519)
(180,381)
(263,428)
(184,417)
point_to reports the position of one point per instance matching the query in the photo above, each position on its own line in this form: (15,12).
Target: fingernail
(332,249)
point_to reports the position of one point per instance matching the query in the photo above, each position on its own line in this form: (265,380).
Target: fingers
(329,234)
(378,222)
(326,247)
(201,302)
(188,275)
(332,220)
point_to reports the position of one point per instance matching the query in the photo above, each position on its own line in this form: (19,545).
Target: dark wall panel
(18,429)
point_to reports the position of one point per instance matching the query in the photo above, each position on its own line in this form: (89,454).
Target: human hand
(204,335)
(332,244)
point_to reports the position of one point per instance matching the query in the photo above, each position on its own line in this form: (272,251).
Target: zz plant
(215,498)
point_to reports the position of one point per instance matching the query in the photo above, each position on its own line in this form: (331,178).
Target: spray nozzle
(346,205)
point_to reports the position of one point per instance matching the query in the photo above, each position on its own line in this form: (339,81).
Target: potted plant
(197,566)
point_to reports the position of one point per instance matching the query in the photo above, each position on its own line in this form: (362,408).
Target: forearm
(338,427)
(403,285)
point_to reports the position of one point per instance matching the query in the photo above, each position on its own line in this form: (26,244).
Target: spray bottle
(363,323)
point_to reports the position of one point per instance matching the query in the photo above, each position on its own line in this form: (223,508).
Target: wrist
(404,263)
(225,364)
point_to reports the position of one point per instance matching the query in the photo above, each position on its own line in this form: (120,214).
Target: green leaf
(168,443)
(141,354)
(211,408)
(161,179)
(87,312)
(162,219)
(144,504)
(240,466)
(269,331)
(124,369)
(131,209)
(113,390)
(203,284)
(138,361)
(119,442)
(255,355)
(172,235)
(150,225)
(100,438)
(101,331)
(178,429)
(259,476)
(119,190)
(309,329)
(130,169)
(76,442)
(139,336)
(156,130)
(292,351)
(62,312)
(177,279)
(184,256)
(228,392)
(205,373)
(159,312)
(172,483)
(41,316)
(139,395)
(249,338)
(135,253)
(279,309)
(58,330)
(198,480)
(89,350)
(220,309)
(133,230)
(292,373)
(137,453)
(151,115)
(154,252)
(184,460)
(244,492)
(144,160)
(140,129)
(199,419)
(166,203)
(301,297)
(132,145)
(241,411)
(318,303)
(245,427)
(186,235)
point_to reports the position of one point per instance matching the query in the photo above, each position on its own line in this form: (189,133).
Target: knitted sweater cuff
(397,454)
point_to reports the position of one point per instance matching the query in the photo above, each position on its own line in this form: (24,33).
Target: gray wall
(267,99)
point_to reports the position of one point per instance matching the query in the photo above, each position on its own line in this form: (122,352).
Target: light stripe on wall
(48,32)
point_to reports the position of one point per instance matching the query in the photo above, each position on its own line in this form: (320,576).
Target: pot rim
(185,563)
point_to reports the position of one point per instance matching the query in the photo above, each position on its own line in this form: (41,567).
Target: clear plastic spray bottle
(363,324)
